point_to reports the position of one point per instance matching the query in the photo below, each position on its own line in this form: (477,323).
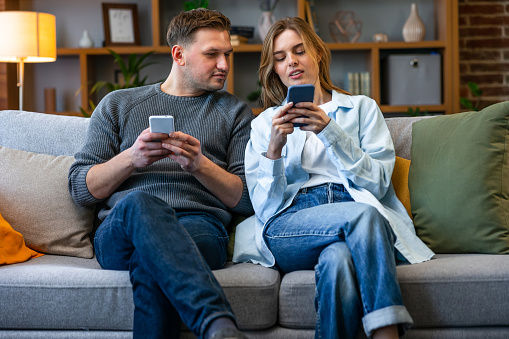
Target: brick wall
(484,49)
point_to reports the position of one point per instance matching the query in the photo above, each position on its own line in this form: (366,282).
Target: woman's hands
(282,124)
(313,116)
(281,127)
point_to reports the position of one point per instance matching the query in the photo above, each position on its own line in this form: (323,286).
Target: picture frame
(121,26)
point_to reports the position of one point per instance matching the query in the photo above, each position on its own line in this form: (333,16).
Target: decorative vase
(86,41)
(265,22)
(414,29)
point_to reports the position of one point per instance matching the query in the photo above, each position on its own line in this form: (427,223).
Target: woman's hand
(313,116)
(281,127)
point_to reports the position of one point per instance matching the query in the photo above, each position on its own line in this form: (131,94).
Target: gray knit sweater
(218,119)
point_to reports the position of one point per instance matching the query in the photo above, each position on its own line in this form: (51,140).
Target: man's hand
(185,150)
(103,179)
(148,148)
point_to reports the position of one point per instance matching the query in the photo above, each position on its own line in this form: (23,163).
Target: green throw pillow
(459,181)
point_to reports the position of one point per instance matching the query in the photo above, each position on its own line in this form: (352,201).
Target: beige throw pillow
(35,200)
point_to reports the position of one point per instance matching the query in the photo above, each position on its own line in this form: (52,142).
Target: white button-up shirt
(358,143)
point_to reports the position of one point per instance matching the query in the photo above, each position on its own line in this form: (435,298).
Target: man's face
(207,60)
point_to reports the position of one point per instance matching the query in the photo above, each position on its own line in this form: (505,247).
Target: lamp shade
(31,37)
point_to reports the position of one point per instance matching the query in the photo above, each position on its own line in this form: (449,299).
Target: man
(165,199)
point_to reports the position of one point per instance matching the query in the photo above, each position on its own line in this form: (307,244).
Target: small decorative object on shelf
(380,37)
(86,41)
(413,29)
(120,22)
(345,27)
(267,19)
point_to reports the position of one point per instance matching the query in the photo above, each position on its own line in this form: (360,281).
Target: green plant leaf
(467,103)
(474,88)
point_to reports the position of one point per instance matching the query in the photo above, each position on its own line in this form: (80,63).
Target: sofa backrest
(42,133)
(64,135)
(401,133)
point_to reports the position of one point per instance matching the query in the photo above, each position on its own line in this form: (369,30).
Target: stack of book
(359,83)
(236,40)
(240,34)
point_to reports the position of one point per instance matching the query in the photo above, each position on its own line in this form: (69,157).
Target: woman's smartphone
(301,93)
(161,124)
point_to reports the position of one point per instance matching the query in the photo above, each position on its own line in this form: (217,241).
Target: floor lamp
(31,38)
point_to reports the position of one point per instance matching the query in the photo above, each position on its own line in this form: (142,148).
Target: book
(359,83)
(366,84)
(237,40)
(245,31)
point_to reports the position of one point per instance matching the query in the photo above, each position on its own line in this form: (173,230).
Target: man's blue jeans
(169,257)
(351,248)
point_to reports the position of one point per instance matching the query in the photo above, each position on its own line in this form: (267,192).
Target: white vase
(265,22)
(414,29)
(86,41)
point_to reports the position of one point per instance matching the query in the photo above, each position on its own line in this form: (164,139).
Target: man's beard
(209,84)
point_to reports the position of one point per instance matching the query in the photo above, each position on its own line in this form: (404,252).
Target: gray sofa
(55,296)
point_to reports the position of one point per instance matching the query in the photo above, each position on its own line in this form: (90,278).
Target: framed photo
(120,24)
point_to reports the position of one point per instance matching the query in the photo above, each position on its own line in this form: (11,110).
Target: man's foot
(228,333)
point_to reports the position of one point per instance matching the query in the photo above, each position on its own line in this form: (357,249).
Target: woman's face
(291,62)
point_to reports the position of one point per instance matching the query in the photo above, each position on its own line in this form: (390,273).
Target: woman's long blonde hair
(273,89)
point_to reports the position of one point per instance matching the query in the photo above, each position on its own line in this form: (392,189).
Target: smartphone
(161,124)
(301,93)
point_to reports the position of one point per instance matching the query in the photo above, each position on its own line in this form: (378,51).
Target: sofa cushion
(35,200)
(400,182)
(401,133)
(49,134)
(60,292)
(459,181)
(451,290)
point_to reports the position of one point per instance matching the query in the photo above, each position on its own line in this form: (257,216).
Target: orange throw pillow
(400,182)
(12,245)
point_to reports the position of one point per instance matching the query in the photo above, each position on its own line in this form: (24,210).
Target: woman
(322,192)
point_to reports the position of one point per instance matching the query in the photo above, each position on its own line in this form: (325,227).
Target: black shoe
(228,333)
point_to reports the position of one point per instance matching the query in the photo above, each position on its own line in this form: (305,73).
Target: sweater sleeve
(101,144)
(236,149)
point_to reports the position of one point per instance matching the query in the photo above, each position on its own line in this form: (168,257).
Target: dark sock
(218,323)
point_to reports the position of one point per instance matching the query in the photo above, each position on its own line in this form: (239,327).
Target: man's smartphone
(161,124)
(301,93)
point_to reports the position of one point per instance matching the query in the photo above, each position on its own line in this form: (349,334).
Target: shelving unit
(444,40)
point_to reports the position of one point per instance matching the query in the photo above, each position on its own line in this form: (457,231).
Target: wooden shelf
(445,25)
(119,50)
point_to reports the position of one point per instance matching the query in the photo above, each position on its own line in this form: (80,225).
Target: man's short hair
(182,28)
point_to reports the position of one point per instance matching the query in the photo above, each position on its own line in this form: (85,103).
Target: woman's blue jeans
(169,257)
(350,245)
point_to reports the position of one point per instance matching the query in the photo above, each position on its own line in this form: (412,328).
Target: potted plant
(130,76)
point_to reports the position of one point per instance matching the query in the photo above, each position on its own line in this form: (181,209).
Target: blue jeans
(169,257)
(350,246)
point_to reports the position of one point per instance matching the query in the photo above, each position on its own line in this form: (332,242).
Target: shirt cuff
(330,134)
(274,168)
